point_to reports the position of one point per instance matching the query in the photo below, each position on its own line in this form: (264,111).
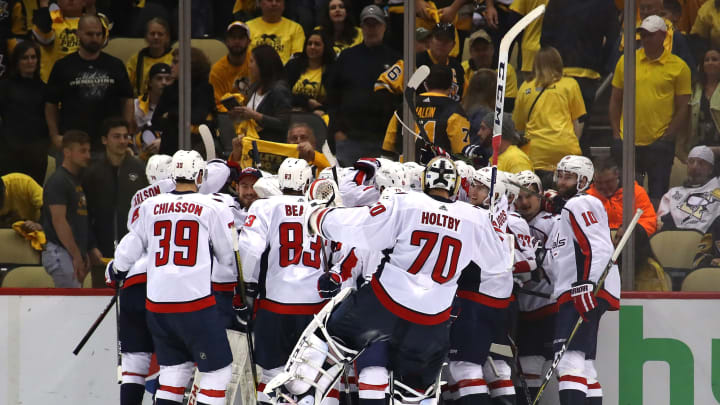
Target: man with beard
(86,87)
(231,74)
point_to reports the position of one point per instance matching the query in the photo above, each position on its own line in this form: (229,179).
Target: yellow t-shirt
(148,62)
(310,84)
(531,35)
(707,23)
(550,125)
(510,79)
(23,197)
(286,36)
(657,83)
(22,14)
(514,160)
(228,78)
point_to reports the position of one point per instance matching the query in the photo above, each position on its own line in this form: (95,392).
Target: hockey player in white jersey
(357,184)
(581,250)
(286,262)
(135,339)
(536,326)
(427,241)
(181,232)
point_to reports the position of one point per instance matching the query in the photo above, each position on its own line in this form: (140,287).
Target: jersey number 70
(428,240)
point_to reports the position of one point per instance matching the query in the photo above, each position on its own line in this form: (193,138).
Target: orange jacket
(614,205)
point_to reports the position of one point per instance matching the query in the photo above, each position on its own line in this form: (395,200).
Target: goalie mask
(188,165)
(295,174)
(580,165)
(441,173)
(158,168)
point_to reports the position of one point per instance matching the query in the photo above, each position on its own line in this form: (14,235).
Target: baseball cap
(446,30)
(653,23)
(239,24)
(159,68)
(422,34)
(702,152)
(480,34)
(374,12)
(250,171)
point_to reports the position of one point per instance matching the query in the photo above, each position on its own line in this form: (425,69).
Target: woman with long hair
(157,36)
(547,109)
(24,140)
(308,73)
(268,102)
(480,93)
(337,22)
(704,106)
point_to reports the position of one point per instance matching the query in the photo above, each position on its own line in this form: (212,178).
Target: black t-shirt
(22,111)
(63,188)
(88,91)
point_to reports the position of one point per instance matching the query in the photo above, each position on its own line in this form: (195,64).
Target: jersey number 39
(185,242)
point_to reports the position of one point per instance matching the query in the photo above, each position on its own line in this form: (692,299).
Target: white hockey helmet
(580,165)
(188,165)
(390,174)
(441,172)
(464,170)
(413,175)
(326,173)
(158,168)
(484,176)
(511,190)
(295,174)
(527,178)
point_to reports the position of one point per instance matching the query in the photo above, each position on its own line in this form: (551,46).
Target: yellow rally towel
(37,238)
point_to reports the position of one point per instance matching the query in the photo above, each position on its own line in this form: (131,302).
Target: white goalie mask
(295,174)
(158,168)
(441,173)
(188,165)
(580,165)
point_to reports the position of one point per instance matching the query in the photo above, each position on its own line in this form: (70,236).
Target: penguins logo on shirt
(68,40)
(272,40)
(696,204)
(308,88)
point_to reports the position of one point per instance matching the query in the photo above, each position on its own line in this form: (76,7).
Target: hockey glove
(368,166)
(329,284)
(582,293)
(116,276)
(473,151)
(552,202)
(324,190)
(242,313)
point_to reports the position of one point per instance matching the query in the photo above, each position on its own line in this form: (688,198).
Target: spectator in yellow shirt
(231,74)
(510,158)
(530,44)
(707,23)
(21,199)
(661,112)
(547,109)
(340,26)
(157,36)
(271,28)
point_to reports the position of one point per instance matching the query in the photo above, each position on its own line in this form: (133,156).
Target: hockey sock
(131,394)
(365,401)
(161,401)
(594,401)
(475,399)
(504,400)
(572,397)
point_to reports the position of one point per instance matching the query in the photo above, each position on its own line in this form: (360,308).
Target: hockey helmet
(295,174)
(158,168)
(580,165)
(390,174)
(413,175)
(188,165)
(511,190)
(483,176)
(441,172)
(526,178)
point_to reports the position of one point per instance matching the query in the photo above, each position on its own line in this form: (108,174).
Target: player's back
(184,232)
(291,260)
(541,228)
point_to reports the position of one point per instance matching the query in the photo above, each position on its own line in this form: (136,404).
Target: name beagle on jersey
(293,210)
(147,193)
(445,221)
(178,207)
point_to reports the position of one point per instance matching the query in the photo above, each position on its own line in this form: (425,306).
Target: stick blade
(418,77)
(208,141)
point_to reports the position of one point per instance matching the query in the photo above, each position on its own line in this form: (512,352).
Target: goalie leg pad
(213,385)
(571,371)
(173,380)
(241,382)
(135,367)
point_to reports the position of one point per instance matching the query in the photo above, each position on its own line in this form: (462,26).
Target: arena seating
(28,277)
(703,279)
(675,251)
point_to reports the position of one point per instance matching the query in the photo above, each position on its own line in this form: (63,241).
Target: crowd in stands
(306,77)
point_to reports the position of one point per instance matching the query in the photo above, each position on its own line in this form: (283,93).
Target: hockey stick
(248,327)
(601,281)
(518,366)
(95,324)
(208,141)
(416,135)
(118,346)
(412,85)
(503,55)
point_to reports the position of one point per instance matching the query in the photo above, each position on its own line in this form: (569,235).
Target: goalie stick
(410,89)
(504,50)
(97,323)
(601,281)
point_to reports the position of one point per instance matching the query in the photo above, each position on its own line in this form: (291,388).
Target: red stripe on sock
(174,390)
(372,387)
(572,378)
(501,384)
(470,383)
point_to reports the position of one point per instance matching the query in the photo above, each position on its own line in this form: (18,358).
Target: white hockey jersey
(181,233)
(541,227)
(225,279)
(524,244)
(356,190)
(426,244)
(277,253)
(581,248)
(692,208)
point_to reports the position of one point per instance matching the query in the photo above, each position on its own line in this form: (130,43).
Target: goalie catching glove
(582,293)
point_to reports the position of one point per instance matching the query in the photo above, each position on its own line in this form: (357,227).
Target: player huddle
(383,280)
